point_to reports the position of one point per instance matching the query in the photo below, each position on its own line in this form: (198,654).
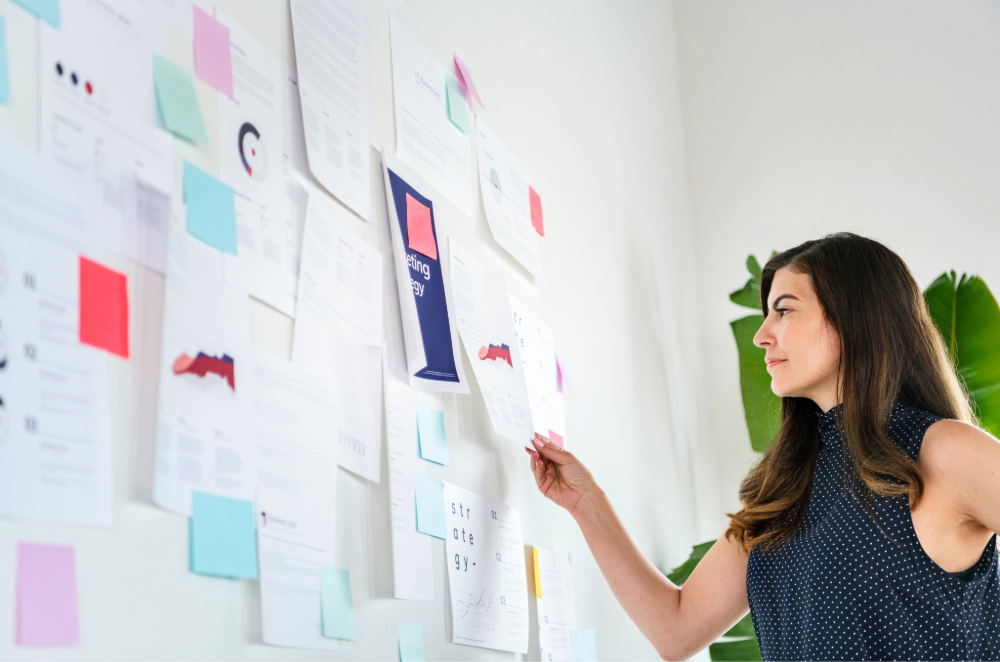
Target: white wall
(807,118)
(586,95)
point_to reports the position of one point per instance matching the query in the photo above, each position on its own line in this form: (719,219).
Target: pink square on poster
(212,60)
(419,231)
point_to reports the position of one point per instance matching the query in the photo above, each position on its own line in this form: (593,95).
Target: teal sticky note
(211,210)
(430,506)
(336,605)
(47,10)
(223,542)
(411,642)
(458,107)
(4,79)
(584,644)
(431,435)
(176,101)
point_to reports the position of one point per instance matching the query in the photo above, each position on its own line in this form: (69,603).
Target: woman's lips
(771,364)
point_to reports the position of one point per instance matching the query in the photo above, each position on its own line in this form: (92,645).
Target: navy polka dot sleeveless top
(841,590)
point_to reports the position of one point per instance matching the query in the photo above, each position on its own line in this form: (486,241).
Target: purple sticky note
(559,376)
(46,596)
(212,61)
(465,80)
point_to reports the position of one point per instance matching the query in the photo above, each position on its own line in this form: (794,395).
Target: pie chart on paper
(253,156)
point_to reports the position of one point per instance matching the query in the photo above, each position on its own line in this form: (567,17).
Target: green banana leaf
(741,649)
(761,407)
(968,317)
(680,574)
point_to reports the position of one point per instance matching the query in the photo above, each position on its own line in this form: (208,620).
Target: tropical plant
(968,318)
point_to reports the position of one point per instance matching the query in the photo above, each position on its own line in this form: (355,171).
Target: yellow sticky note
(538,576)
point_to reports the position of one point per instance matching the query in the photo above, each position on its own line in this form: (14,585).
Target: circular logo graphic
(252,152)
(495,181)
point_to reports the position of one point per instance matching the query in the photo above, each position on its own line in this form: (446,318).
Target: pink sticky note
(212,61)
(465,79)
(536,211)
(103,308)
(419,233)
(559,376)
(46,596)
(556,439)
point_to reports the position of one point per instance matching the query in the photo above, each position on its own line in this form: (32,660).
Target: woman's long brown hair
(890,350)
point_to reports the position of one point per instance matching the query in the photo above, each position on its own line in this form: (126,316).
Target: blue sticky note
(431,435)
(211,210)
(176,101)
(4,80)
(411,642)
(458,107)
(584,644)
(223,542)
(336,604)
(430,506)
(47,10)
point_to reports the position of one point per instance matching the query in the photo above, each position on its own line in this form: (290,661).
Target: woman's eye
(781,311)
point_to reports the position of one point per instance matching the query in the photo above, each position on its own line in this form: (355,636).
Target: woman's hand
(559,475)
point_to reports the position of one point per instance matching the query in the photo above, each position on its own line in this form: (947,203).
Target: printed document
(534,337)
(484,322)
(331,55)
(487,584)
(426,140)
(504,185)
(556,613)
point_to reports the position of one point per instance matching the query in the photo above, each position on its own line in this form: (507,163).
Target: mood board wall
(586,97)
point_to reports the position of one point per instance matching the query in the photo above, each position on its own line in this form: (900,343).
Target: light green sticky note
(176,101)
(411,642)
(458,107)
(47,10)
(336,605)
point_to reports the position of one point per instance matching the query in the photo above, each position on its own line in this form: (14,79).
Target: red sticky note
(103,308)
(419,233)
(536,211)
(46,596)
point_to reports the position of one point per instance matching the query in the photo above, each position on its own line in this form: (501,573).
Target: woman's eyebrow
(783,296)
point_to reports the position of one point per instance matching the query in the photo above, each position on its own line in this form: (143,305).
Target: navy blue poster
(428,291)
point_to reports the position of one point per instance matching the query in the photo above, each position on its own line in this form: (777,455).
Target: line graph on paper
(476,608)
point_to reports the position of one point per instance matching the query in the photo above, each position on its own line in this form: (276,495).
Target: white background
(586,96)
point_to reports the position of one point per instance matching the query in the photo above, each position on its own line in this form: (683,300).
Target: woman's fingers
(550,451)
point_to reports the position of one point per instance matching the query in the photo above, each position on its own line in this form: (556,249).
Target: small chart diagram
(203,364)
(474,605)
(495,185)
(252,152)
(499,352)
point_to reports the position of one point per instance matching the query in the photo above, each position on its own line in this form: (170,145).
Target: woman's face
(802,348)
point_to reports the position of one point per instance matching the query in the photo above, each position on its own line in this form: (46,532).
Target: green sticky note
(211,209)
(223,542)
(411,642)
(47,10)
(584,643)
(4,80)
(430,506)
(176,101)
(431,435)
(336,605)
(458,107)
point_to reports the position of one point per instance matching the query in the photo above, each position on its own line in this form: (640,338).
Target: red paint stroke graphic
(494,352)
(203,364)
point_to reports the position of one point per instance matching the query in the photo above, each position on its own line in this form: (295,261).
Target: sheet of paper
(465,79)
(426,140)
(223,543)
(537,219)
(554,605)
(295,499)
(212,62)
(180,113)
(431,435)
(538,356)
(281,243)
(46,596)
(331,55)
(4,75)
(584,645)
(411,642)
(484,322)
(425,299)
(430,506)
(47,10)
(98,115)
(487,584)
(211,211)
(55,457)
(204,436)
(503,182)
(337,604)
(360,408)
(176,13)
(250,137)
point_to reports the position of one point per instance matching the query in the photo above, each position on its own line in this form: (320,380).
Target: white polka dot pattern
(842,590)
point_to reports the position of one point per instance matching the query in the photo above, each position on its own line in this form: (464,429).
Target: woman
(866,528)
